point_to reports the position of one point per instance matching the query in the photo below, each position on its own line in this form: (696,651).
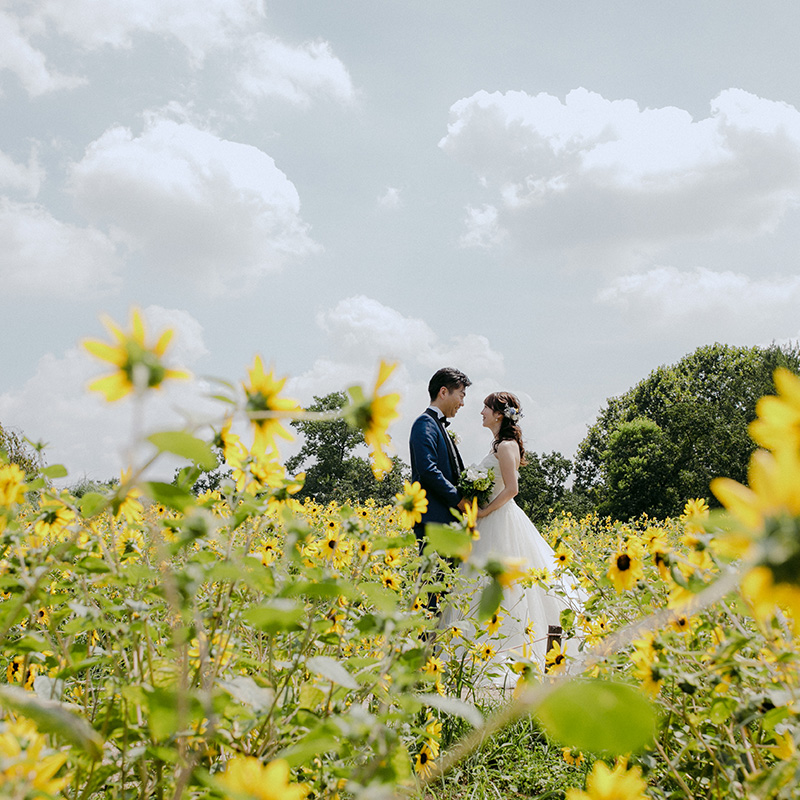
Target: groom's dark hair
(448,377)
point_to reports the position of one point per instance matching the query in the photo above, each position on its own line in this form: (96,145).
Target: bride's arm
(507,453)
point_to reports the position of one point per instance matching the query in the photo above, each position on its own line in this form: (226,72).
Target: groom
(435,460)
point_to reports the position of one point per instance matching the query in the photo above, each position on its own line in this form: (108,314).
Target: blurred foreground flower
(266,408)
(619,783)
(412,503)
(139,367)
(246,776)
(769,508)
(373,415)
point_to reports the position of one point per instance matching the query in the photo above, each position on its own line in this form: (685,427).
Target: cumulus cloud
(197,26)
(24,178)
(360,332)
(40,255)
(29,64)
(705,305)
(213,209)
(673,293)
(595,173)
(86,434)
(297,74)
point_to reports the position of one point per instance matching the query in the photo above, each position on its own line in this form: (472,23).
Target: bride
(506,533)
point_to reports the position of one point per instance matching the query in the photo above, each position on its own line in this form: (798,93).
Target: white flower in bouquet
(477,482)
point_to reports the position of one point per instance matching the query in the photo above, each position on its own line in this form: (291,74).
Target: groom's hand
(462,505)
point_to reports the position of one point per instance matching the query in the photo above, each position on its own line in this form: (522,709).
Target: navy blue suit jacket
(433,466)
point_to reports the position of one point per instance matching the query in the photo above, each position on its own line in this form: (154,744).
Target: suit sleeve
(424,443)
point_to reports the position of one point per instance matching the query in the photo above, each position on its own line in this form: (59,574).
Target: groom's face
(452,400)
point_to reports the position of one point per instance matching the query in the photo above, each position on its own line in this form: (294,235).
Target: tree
(16,451)
(699,409)
(544,487)
(327,457)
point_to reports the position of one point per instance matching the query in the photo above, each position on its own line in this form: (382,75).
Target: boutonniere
(455,438)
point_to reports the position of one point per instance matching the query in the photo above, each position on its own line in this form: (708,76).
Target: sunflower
(139,366)
(493,625)
(373,416)
(607,784)
(556,658)
(425,765)
(266,408)
(411,503)
(625,568)
(246,776)
(390,580)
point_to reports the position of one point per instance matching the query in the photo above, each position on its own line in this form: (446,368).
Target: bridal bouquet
(477,482)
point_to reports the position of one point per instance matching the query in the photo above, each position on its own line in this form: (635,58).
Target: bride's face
(489,417)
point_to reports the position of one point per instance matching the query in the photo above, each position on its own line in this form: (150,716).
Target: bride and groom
(505,530)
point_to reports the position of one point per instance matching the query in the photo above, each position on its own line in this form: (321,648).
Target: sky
(556,198)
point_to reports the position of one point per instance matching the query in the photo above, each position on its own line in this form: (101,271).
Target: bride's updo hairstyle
(507,405)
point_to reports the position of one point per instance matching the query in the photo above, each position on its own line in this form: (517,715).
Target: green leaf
(323,739)
(454,706)
(721,709)
(53,717)
(599,717)
(394,542)
(170,495)
(277,615)
(332,670)
(448,542)
(55,471)
(491,597)
(184,444)
(244,689)
(92,503)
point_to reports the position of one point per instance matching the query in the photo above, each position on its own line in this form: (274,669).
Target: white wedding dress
(527,613)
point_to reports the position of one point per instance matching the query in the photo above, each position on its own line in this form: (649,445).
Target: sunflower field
(239,644)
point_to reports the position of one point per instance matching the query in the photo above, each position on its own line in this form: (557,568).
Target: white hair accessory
(514,414)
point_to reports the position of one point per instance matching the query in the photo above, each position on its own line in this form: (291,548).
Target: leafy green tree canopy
(333,471)
(660,444)
(543,487)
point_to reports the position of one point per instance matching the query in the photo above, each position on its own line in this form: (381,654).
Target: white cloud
(296,74)
(361,331)
(200,27)
(391,198)
(670,293)
(25,178)
(217,210)
(19,56)
(86,434)
(592,173)
(483,228)
(43,256)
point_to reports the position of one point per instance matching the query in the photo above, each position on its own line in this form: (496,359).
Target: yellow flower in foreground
(784,747)
(425,764)
(373,416)
(412,503)
(493,625)
(573,757)
(28,769)
(12,484)
(777,426)
(54,516)
(556,658)
(139,366)
(765,594)
(563,556)
(248,776)
(266,408)
(625,568)
(434,667)
(607,784)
